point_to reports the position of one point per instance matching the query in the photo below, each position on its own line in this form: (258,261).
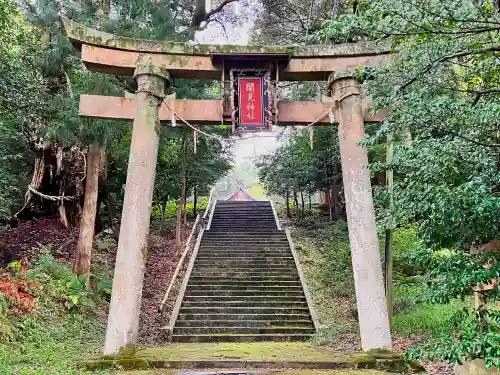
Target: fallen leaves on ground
(18,291)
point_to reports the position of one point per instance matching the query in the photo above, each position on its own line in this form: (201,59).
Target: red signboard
(251,101)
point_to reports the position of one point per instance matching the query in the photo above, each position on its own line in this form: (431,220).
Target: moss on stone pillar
(123,319)
(372,309)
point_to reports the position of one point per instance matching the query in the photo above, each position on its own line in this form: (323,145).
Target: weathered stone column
(368,280)
(123,318)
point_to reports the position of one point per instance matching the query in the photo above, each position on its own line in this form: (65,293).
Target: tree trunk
(328,194)
(302,203)
(184,213)
(182,196)
(296,202)
(328,197)
(163,212)
(310,203)
(84,246)
(287,203)
(335,202)
(388,266)
(195,201)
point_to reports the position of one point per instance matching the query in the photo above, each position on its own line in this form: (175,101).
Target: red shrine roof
(241,195)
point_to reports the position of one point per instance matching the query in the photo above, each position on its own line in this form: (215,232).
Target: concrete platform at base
(252,355)
(260,372)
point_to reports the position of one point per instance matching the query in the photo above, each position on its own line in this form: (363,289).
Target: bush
(171,212)
(68,321)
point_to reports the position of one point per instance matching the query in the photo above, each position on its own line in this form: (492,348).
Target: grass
(68,322)
(325,256)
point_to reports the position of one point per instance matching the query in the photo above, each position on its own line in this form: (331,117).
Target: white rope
(221,139)
(53,198)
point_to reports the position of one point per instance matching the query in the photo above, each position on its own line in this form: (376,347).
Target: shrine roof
(80,34)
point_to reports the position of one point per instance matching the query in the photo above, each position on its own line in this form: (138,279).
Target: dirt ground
(30,235)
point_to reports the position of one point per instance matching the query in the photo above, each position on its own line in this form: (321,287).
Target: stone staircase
(244,285)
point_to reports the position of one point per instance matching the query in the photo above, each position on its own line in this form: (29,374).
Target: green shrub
(171,212)
(68,321)
(471,337)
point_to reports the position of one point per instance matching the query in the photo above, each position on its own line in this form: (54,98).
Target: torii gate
(153,64)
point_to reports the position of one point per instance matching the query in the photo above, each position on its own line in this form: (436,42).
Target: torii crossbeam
(154,64)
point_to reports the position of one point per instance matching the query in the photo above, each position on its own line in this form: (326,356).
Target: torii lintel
(117,55)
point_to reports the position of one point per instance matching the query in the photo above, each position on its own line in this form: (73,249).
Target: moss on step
(284,351)
(255,355)
(131,363)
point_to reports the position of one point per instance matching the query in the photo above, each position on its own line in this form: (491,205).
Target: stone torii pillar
(123,317)
(370,295)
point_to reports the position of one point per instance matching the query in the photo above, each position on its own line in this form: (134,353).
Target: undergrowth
(325,256)
(67,322)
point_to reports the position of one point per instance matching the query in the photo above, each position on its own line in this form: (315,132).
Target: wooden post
(389,180)
(123,318)
(372,308)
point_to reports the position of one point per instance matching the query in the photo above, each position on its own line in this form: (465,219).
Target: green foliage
(442,88)
(68,322)
(404,241)
(428,320)
(454,274)
(476,337)
(295,167)
(59,283)
(42,77)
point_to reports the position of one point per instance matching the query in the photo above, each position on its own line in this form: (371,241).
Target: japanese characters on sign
(251,101)
(251,109)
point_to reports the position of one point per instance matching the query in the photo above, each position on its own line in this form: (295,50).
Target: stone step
(244,303)
(245,323)
(243,258)
(259,223)
(265,211)
(243,310)
(203,330)
(239,287)
(243,254)
(244,282)
(241,248)
(200,316)
(241,206)
(245,250)
(229,227)
(240,337)
(218,265)
(244,219)
(248,293)
(244,274)
(229,262)
(244,278)
(255,236)
(257,239)
(254,228)
(250,209)
(266,224)
(270,232)
(244,245)
(248,268)
(247,298)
